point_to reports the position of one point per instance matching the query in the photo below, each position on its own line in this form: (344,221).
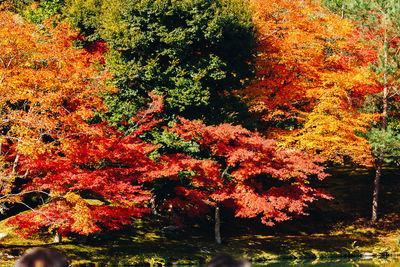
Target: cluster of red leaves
(95,180)
(244,168)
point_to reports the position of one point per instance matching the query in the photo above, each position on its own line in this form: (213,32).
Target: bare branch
(396,92)
(15,164)
(225,171)
(23,193)
(36,211)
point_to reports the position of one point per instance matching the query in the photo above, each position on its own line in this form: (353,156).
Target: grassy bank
(148,248)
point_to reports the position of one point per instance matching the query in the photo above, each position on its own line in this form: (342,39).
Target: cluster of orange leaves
(47,89)
(311,72)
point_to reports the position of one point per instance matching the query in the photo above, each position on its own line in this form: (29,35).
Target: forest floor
(334,228)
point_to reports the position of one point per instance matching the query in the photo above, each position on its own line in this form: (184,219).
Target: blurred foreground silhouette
(42,257)
(224,260)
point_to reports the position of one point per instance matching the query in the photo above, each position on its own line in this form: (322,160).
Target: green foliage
(171,143)
(44,9)
(387,141)
(337,6)
(195,53)
(84,15)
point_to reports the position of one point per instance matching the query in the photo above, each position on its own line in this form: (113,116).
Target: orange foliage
(311,72)
(47,91)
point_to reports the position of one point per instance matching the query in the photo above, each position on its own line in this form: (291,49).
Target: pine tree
(379,22)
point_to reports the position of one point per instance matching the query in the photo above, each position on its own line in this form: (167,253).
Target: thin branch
(137,123)
(396,92)
(36,211)
(15,164)
(14,138)
(23,193)
(69,135)
(11,60)
(225,171)
(20,120)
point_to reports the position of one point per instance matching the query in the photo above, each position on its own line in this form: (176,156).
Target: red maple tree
(242,169)
(94,182)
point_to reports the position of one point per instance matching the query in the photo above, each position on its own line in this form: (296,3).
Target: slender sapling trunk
(217,225)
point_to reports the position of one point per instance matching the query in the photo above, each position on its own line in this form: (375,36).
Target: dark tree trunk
(217,225)
(380,159)
(378,174)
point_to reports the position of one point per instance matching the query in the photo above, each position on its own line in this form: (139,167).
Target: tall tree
(242,170)
(378,25)
(379,21)
(311,79)
(196,53)
(47,92)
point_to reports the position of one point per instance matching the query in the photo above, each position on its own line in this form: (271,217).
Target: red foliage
(245,169)
(98,49)
(95,182)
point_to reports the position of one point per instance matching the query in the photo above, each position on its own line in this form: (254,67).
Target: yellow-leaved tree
(311,80)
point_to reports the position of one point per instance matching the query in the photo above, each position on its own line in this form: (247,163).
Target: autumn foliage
(93,176)
(244,170)
(94,182)
(47,91)
(312,79)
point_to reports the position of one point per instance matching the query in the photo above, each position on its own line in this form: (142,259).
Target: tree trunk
(217,225)
(380,160)
(57,237)
(378,173)
(153,207)
(379,163)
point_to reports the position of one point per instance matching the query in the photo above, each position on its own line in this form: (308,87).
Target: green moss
(162,252)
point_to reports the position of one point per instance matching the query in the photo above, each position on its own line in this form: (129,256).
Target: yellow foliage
(309,72)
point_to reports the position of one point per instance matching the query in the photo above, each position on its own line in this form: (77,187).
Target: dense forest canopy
(111,110)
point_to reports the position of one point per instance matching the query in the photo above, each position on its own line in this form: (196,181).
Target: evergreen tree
(195,53)
(379,23)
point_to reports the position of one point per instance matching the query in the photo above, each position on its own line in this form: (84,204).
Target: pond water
(387,262)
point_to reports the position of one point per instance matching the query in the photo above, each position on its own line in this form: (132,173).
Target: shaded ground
(339,227)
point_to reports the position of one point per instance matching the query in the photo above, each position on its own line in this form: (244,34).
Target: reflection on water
(387,262)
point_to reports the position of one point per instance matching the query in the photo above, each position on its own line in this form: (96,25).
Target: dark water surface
(389,262)
(354,262)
